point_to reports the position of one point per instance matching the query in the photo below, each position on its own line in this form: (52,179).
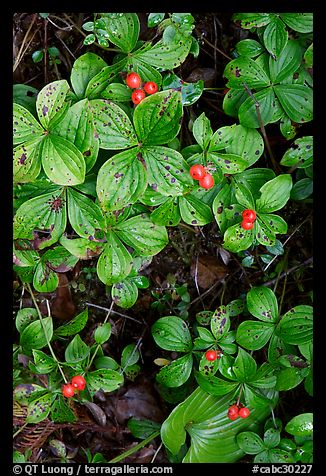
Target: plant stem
(240,393)
(99,345)
(19,430)
(45,333)
(135,448)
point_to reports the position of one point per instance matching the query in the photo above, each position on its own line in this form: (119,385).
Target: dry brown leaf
(206,270)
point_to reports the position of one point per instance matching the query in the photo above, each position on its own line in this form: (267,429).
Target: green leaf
(308,58)
(112,125)
(117,92)
(271,437)
(287,63)
(296,326)
(167,214)
(167,55)
(302,189)
(176,373)
(272,222)
(243,195)
(25,95)
(101,80)
(274,194)
(61,411)
(74,326)
(280,456)
(50,100)
(25,317)
(115,262)
(105,362)
(125,293)
(249,47)
(121,180)
(244,366)
(220,322)
(296,100)
(215,385)
(190,92)
(167,171)
(247,143)
(193,211)
(85,216)
(89,39)
(202,131)
(142,428)
(37,214)
(62,162)
(104,379)
(254,179)
(27,161)
(45,280)
(228,163)
(275,37)
(252,20)
(264,235)
(237,239)
(102,333)
(254,335)
(143,235)
(299,154)
(288,378)
(301,22)
(153,20)
(172,333)
(233,100)
(250,442)
(300,425)
(33,336)
(77,126)
(223,199)
(43,362)
(248,110)
(76,350)
(81,247)
(25,126)
(262,303)
(39,409)
(157,117)
(212,434)
(84,69)
(130,355)
(245,70)
(255,398)
(123,30)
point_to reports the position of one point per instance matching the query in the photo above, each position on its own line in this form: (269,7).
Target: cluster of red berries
(198,172)
(212,355)
(133,81)
(248,219)
(238,410)
(77,383)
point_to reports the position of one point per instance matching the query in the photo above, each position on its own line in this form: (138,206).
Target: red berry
(68,390)
(233,410)
(233,417)
(137,96)
(249,215)
(244,412)
(207,181)
(211,355)
(247,225)
(133,80)
(150,87)
(78,382)
(197,172)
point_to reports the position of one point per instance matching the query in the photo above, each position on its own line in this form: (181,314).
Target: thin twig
(288,271)
(262,128)
(196,282)
(21,52)
(99,345)
(217,49)
(156,452)
(45,50)
(112,312)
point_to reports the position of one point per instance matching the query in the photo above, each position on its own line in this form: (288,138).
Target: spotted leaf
(115,262)
(262,303)
(254,335)
(245,70)
(238,239)
(50,100)
(27,161)
(124,293)
(168,172)
(157,118)
(62,162)
(85,216)
(121,180)
(168,213)
(143,235)
(274,194)
(122,29)
(84,69)
(172,333)
(112,125)
(176,373)
(25,126)
(193,211)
